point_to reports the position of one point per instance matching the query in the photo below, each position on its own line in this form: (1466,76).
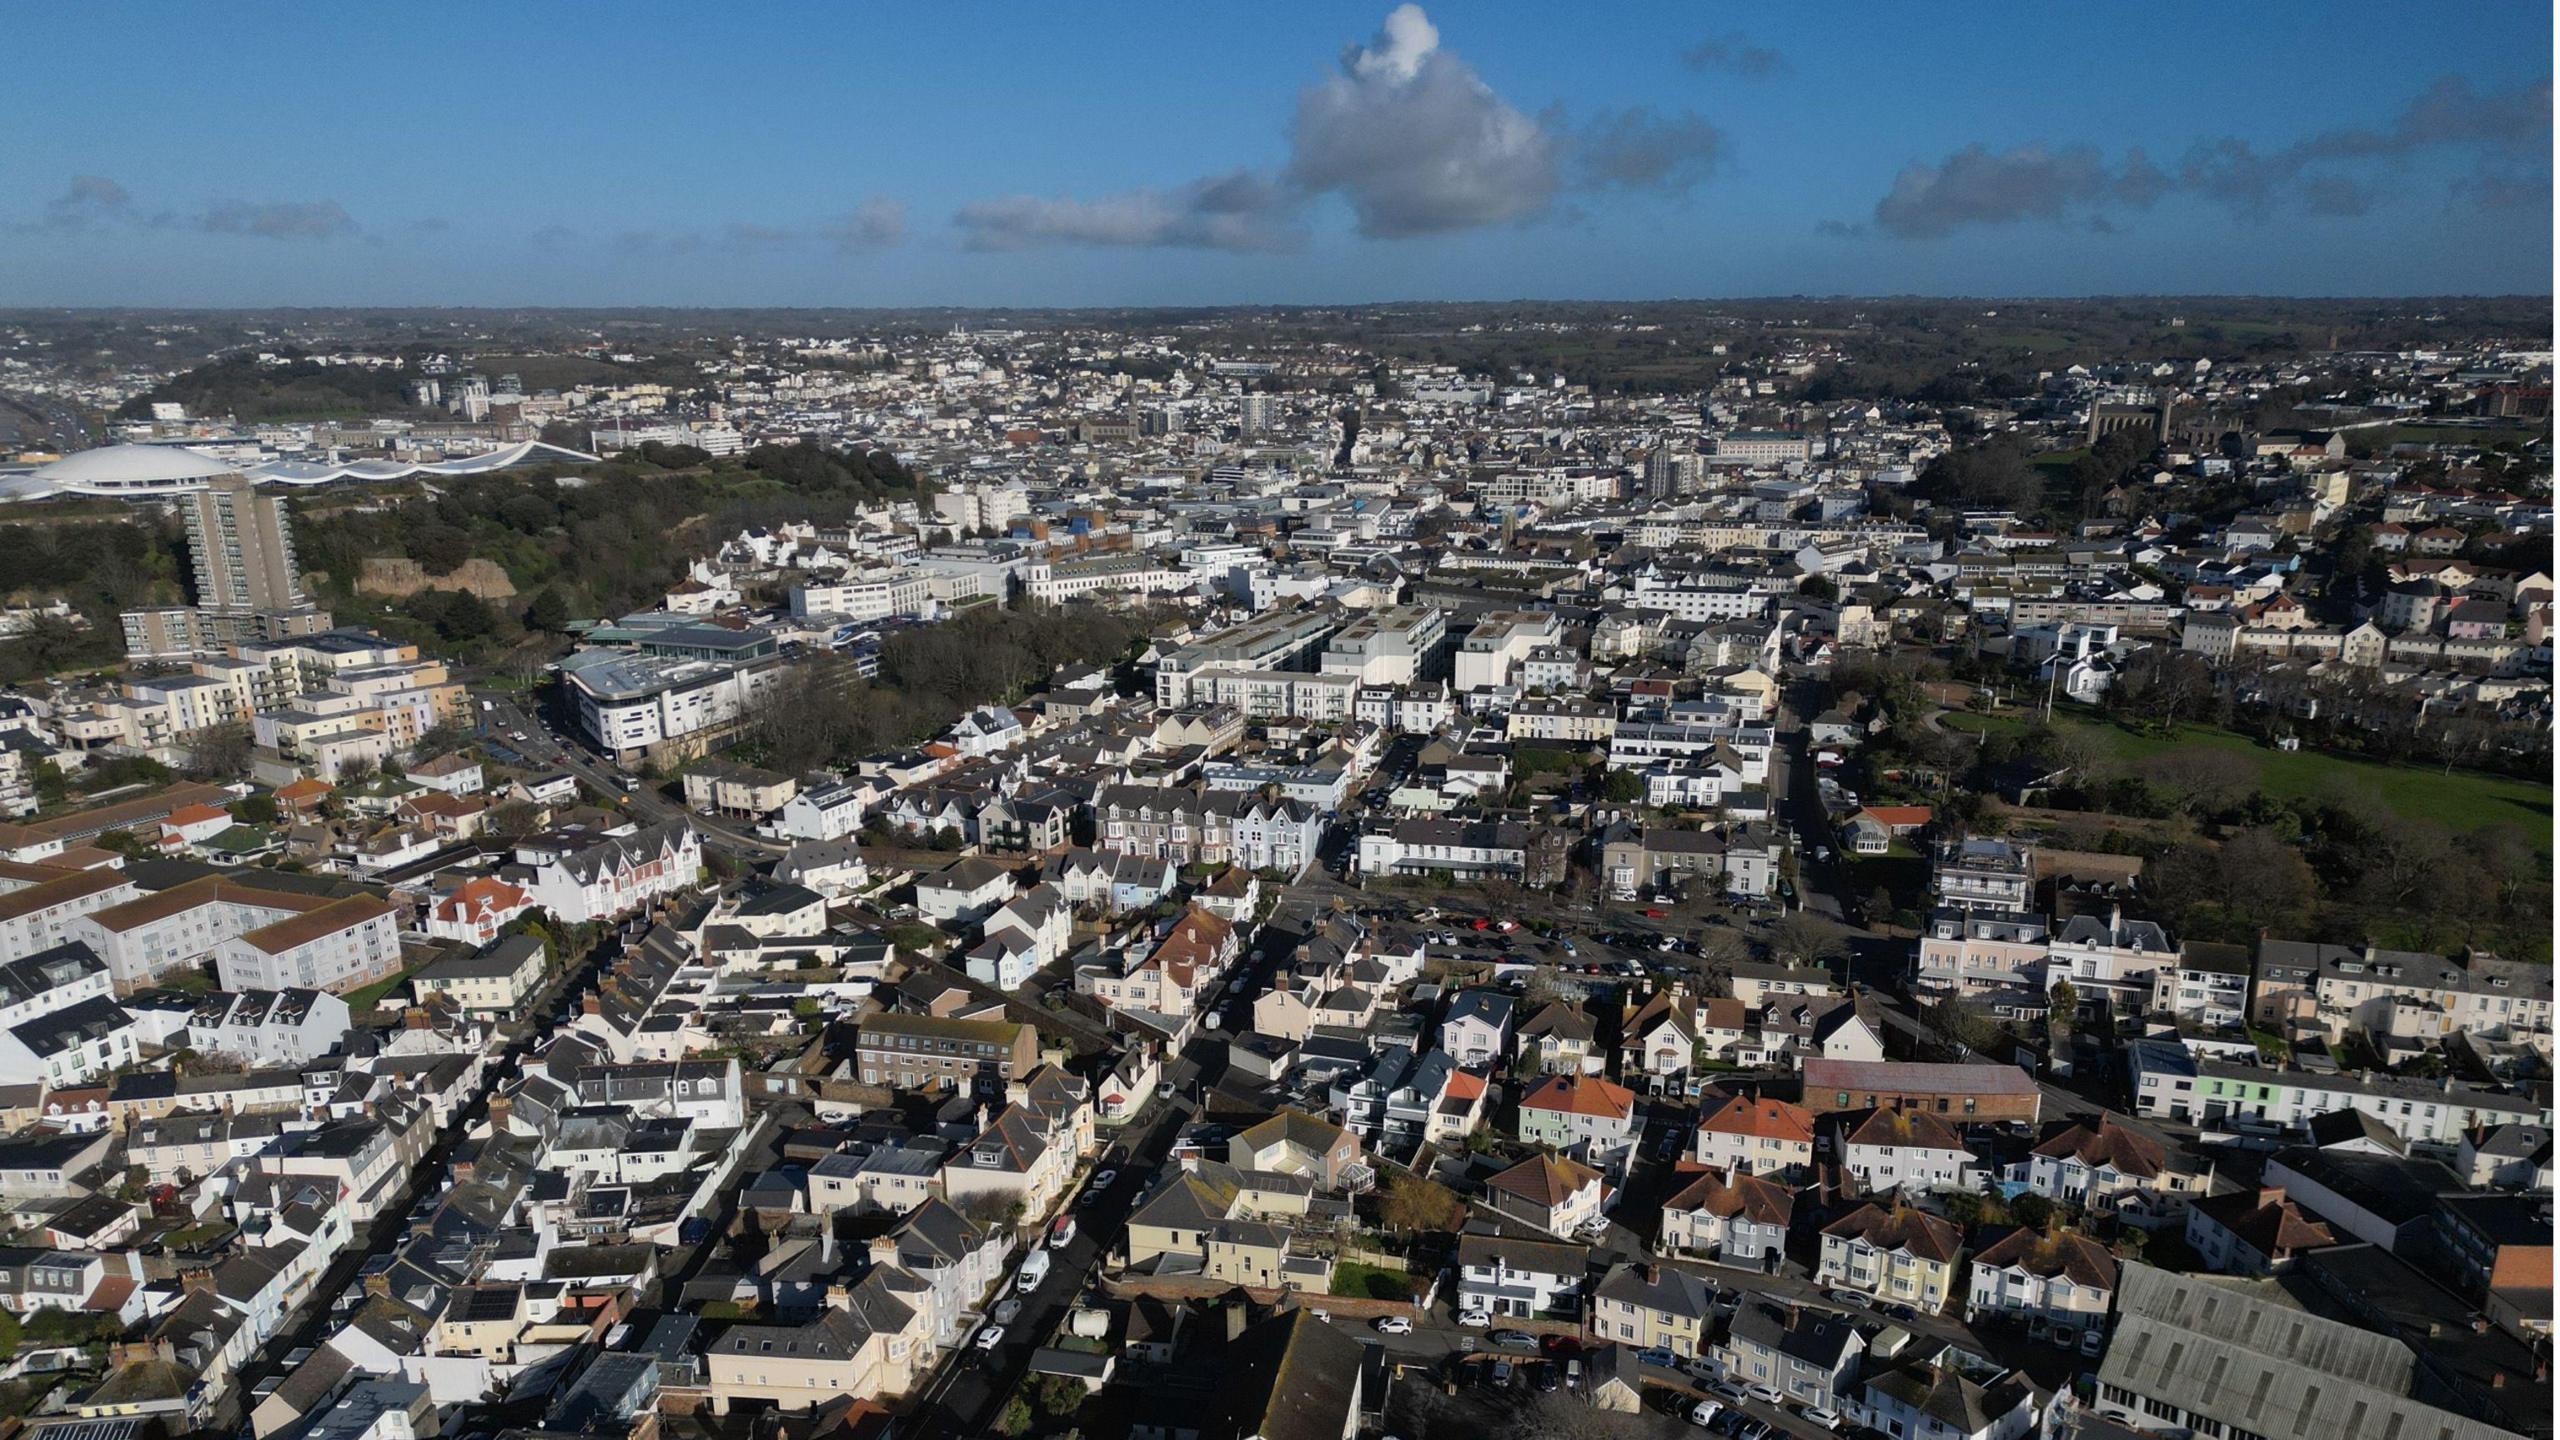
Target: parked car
(1828,1419)
(1006,1309)
(1765,1394)
(1102,1179)
(1475,1319)
(2092,1341)
(1704,1413)
(1656,1355)
(1514,1339)
(1392,1325)
(991,1337)
(1725,1390)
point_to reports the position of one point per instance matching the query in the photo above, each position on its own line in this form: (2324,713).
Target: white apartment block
(1499,644)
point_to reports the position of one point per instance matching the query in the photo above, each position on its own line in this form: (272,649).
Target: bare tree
(1800,939)
(2207,779)
(219,752)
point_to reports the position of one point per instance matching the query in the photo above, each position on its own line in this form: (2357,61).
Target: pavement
(314,1321)
(970,1386)
(505,714)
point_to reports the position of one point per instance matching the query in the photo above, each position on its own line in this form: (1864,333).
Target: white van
(1704,1413)
(1034,1270)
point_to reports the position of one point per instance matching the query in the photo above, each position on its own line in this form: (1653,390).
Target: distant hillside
(238,385)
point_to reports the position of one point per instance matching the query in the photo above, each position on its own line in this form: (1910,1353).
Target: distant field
(2464,800)
(553,372)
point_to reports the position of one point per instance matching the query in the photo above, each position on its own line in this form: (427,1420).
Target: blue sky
(984,154)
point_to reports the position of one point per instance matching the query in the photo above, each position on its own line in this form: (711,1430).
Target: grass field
(2464,800)
(371,995)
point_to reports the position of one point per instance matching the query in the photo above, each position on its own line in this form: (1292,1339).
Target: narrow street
(313,1321)
(966,1392)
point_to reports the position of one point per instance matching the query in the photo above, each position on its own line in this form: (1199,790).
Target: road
(56,423)
(505,716)
(971,1385)
(314,1321)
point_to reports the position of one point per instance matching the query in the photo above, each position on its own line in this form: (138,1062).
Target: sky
(999,154)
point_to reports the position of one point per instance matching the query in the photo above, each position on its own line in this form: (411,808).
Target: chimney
(378,1284)
(196,1282)
(2270,1194)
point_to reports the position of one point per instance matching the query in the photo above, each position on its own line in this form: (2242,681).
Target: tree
(445,737)
(1802,940)
(219,752)
(513,818)
(1962,1022)
(2208,779)
(2064,1000)
(1622,787)
(548,613)
(258,809)
(2031,1210)
(1415,1202)
(1993,475)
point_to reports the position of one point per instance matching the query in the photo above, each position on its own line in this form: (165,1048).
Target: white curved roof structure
(141,471)
(312,472)
(131,470)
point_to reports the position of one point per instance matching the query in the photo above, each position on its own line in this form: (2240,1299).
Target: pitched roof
(1544,1180)
(1901,1129)
(1761,1119)
(1581,1095)
(1747,1196)
(2047,1253)
(2266,1220)
(2104,1142)
(1900,1228)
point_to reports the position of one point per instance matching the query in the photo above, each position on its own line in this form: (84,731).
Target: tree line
(824,715)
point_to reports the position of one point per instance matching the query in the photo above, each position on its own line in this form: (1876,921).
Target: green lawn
(2464,800)
(1373,1282)
(366,998)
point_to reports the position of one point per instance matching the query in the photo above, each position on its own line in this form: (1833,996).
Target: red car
(1656,914)
(1481,923)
